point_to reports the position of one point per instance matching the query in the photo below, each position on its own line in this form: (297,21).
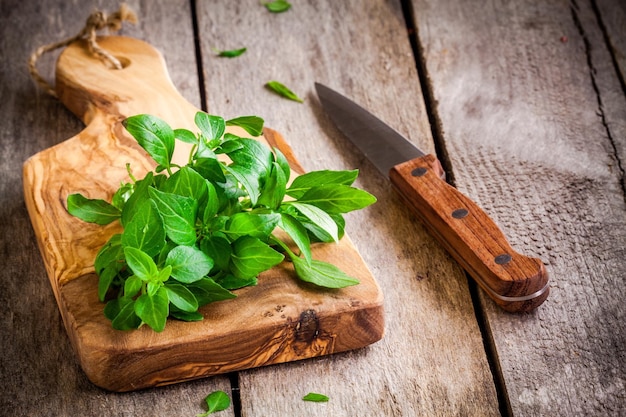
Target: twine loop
(97,21)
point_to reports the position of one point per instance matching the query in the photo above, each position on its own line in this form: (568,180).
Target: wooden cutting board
(279,320)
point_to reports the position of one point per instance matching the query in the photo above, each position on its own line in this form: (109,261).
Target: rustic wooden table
(524,102)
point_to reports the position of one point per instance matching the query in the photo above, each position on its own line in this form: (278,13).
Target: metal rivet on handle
(459,213)
(418,172)
(505,258)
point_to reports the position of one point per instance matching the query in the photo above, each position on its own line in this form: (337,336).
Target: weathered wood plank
(431,361)
(524,130)
(39,371)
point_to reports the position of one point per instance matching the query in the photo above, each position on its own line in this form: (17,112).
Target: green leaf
(217,248)
(283,163)
(137,198)
(297,233)
(318,217)
(181,297)
(145,229)
(207,291)
(231,282)
(186,136)
(252,155)
(92,210)
(132,285)
(187,183)
(336,199)
(249,181)
(251,224)
(153,309)
(188,263)
(212,205)
(212,127)
(273,192)
(277,6)
(122,195)
(315,397)
(185,315)
(111,253)
(251,124)
(140,263)
(282,90)
(126,318)
(154,135)
(251,257)
(231,53)
(216,401)
(304,182)
(105,279)
(179,216)
(322,273)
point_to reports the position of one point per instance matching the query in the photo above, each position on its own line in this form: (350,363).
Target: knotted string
(95,22)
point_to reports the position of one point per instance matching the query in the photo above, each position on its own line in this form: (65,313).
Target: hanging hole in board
(124,62)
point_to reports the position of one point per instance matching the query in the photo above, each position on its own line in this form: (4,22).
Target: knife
(515,282)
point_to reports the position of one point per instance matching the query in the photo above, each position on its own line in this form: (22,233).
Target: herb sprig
(192,234)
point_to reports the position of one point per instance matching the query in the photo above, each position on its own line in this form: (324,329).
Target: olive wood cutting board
(279,320)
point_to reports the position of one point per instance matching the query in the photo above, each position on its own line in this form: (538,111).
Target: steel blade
(381,144)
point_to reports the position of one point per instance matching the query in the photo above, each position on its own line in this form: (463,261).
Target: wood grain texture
(38,366)
(523,126)
(431,360)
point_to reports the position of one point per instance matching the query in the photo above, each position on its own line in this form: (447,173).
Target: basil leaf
(187,183)
(92,210)
(126,318)
(273,192)
(318,217)
(185,135)
(217,248)
(184,315)
(179,216)
(137,198)
(251,257)
(282,90)
(188,263)
(277,6)
(105,279)
(231,53)
(153,309)
(154,135)
(251,224)
(253,156)
(212,205)
(297,233)
(212,127)
(181,297)
(304,182)
(231,282)
(283,163)
(140,263)
(216,401)
(249,181)
(145,230)
(315,397)
(322,274)
(207,291)
(110,253)
(335,199)
(132,285)
(251,124)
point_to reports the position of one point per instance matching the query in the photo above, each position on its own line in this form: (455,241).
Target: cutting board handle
(94,161)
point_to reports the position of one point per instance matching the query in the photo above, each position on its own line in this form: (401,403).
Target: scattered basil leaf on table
(231,53)
(216,401)
(277,6)
(282,90)
(192,235)
(315,397)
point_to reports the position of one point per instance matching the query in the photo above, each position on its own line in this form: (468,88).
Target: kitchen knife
(515,282)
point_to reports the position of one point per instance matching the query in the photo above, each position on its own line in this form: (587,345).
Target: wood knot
(307,328)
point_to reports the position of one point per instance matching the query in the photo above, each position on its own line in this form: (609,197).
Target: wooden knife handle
(515,282)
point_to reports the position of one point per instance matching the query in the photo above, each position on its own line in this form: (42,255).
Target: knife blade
(515,282)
